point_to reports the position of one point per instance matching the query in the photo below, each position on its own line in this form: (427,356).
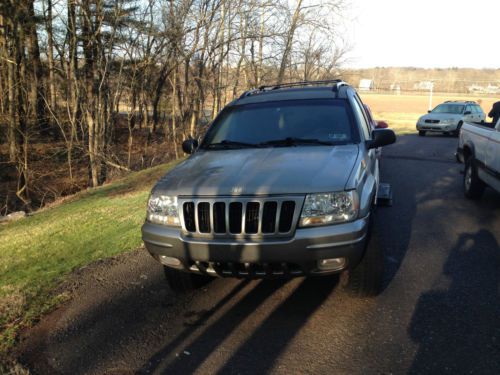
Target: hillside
(38,251)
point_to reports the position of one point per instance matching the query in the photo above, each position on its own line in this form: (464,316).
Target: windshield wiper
(230,144)
(291,141)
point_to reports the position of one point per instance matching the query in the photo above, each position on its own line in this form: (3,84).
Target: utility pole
(431,90)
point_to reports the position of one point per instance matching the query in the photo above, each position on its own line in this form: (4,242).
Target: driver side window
(361,117)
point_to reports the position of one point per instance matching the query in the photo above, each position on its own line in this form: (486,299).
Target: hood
(266,171)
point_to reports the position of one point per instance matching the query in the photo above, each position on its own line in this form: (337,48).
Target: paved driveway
(439,312)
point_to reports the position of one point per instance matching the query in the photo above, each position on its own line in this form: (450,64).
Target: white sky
(424,33)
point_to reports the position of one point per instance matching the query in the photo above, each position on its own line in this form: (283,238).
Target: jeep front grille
(230,217)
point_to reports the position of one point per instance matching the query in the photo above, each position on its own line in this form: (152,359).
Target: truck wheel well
(467,153)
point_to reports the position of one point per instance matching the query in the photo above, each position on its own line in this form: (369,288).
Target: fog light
(333,264)
(169,261)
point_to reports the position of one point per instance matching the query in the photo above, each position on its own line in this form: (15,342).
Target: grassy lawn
(38,251)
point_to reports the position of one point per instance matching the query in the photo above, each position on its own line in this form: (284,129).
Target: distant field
(402,111)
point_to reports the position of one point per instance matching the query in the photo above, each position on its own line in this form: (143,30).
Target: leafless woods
(77,73)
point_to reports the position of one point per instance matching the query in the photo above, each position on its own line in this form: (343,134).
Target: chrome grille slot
(204,217)
(240,217)
(188,211)
(286,216)
(269,217)
(219,217)
(235,214)
(252,218)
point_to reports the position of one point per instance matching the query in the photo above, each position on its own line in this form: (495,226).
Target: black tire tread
(477,186)
(181,282)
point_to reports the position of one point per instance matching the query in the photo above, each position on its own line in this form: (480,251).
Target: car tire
(365,279)
(181,281)
(473,186)
(421,133)
(456,133)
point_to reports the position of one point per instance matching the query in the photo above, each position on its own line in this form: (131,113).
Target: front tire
(421,133)
(365,280)
(182,282)
(473,186)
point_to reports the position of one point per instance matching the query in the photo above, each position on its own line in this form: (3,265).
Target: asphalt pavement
(439,311)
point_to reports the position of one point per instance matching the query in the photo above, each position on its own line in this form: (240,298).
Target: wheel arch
(468,151)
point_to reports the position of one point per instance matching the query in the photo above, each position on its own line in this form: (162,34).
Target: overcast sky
(424,33)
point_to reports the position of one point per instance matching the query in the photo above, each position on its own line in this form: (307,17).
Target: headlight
(329,208)
(162,209)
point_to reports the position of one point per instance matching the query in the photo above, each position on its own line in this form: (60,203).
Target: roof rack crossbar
(335,82)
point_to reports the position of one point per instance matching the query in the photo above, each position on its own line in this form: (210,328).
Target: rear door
(480,114)
(469,114)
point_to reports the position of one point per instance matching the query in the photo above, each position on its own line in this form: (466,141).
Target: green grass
(401,123)
(38,251)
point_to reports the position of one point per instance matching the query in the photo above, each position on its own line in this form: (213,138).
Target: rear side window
(326,120)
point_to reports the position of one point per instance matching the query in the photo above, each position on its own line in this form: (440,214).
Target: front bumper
(298,255)
(437,127)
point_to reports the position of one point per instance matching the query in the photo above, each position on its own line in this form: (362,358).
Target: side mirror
(382,125)
(381,137)
(189,145)
(467,113)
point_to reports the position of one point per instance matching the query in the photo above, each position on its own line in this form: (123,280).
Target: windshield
(304,122)
(455,109)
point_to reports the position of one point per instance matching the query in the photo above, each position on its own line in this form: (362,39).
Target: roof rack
(461,101)
(336,84)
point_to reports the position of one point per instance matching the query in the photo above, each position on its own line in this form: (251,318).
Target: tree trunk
(36,82)
(50,57)
(289,41)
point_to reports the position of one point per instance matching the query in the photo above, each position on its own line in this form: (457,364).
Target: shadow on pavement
(458,329)
(264,345)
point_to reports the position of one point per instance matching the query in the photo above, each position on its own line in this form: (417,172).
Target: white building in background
(424,85)
(366,85)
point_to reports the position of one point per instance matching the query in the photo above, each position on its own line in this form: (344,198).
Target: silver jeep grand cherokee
(283,184)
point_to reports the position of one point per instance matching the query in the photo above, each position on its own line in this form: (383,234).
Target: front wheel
(181,282)
(421,133)
(365,280)
(473,186)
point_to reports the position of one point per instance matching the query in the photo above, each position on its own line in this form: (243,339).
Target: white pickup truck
(479,149)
